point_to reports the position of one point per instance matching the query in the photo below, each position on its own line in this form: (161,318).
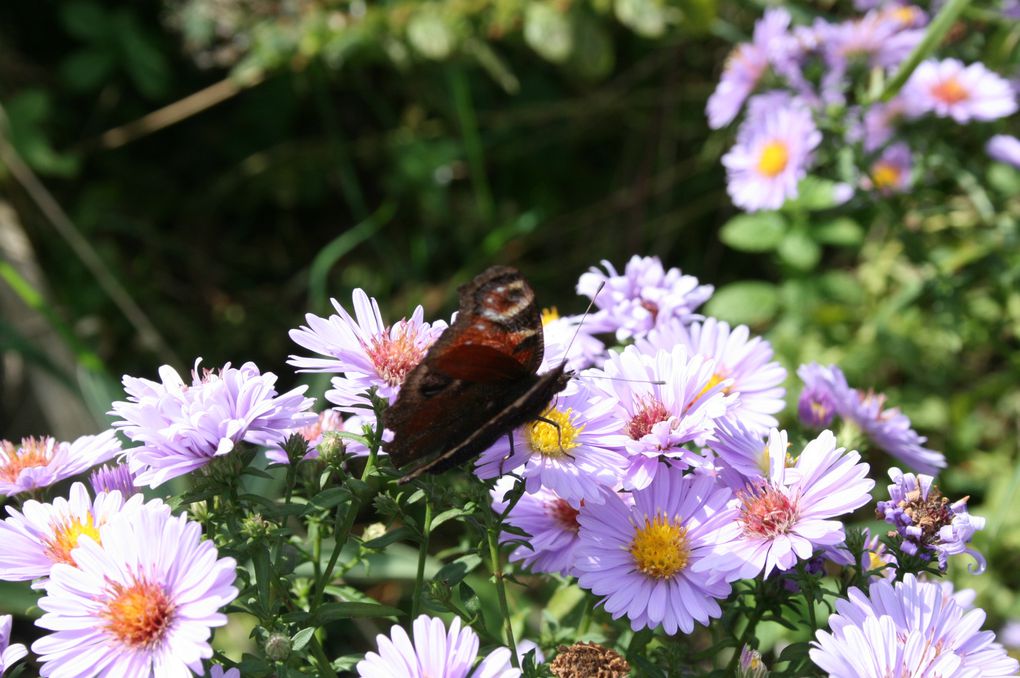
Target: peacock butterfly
(479,379)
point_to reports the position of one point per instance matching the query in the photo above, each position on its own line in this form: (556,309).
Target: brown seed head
(588,660)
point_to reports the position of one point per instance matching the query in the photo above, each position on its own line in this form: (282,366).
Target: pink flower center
(650,414)
(950,91)
(564,514)
(138,615)
(33,453)
(766,512)
(395,353)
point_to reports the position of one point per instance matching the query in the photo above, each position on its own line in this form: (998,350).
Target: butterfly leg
(559,434)
(510,439)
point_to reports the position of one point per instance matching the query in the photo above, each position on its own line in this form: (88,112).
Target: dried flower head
(588,660)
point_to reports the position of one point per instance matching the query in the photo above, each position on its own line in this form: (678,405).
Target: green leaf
(301,638)
(85,20)
(644,17)
(757,232)
(390,537)
(455,571)
(841,232)
(800,251)
(429,35)
(593,56)
(747,302)
(548,31)
(334,611)
(327,499)
(448,515)
(144,63)
(815,193)
(87,69)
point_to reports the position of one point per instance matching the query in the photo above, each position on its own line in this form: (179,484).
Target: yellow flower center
(66,536)
(549,314)
(138,615)
(950,91)
(712,383)
(549,440)
(33,453)
(773,159)
(660,548)
(885,175)
(874,561)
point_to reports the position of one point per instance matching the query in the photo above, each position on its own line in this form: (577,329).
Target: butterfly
(479,379)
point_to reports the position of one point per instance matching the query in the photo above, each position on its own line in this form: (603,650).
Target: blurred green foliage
(404,146)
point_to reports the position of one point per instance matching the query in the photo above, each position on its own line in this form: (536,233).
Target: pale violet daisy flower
(113,477)
(785,517)
(888,428)
(40,462)
(644,295)
(182,427)
(641,556)
(891,172)
(42,535)
(929,524)
(367,352)
(771,156)
(745,67)
(217,671)
(742,453)
(662,401)
(551,522)
(568,339)
(575,460)
(144,602)
(1004,148)
(328,420)
(949,89)
(9,654)
(744,360)
(908,628)
(434,653)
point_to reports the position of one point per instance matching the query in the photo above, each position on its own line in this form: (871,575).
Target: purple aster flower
(183,427)
(888,428)
(891,172)
(42,535)
(772,154)
(9,654)
(751,664)
(217,671)
(1010,634)
(743,453)
(642,556)
(875,126)
(949,89)
(144,602)
(877,557)
(745,361)
(908,628)
(783,518)
(568,333)
(643,296)
(662,401)
(328,420)
(365,350)
(882,38)
(745,67)
(40,462)
(113,477)
(928,523)
(435,652)
(583,455)
(549,519)
(816,406)
(1004,148)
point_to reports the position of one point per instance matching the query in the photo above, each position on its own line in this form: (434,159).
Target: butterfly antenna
(584,316)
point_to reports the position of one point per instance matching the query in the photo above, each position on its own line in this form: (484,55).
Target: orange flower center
(950,91)
(885,175)
(773,159)
(33,453)
(139,615)
(660,548)
(66,536)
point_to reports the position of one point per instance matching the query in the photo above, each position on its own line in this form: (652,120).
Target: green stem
(461,91)
(752,624)
(325,667)
(423,554)
(937,30)
(492,529)
(586,616)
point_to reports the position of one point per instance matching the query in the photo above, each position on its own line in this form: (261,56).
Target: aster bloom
(785,517)
(574,460)
(743,454)
(745,67)
(875,126)
(570,340)
(1004,148)
(143,603)
(365,350)
(434,653)
(877,557)
(42,535)
(928,523)
(743,360)
(751,664)
(891,172)
(41,462)
(772,154)
(908,628)
(549,519)
(217,671)
(182,427)
(113,477)
(642,556)
(888,428)
(644,295)
(9,654)
(949,89)
(328,420)
(662,401)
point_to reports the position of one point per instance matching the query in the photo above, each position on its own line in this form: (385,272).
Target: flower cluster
(40,462)
(796,80)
